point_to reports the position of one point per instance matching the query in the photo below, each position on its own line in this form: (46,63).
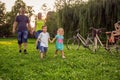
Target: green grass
(78,65)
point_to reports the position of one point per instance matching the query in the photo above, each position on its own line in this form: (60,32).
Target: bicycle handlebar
(97,31)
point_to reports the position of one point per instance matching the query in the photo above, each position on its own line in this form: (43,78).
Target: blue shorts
(22,37)
(43,49)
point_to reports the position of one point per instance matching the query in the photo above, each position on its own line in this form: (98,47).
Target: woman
(38,27)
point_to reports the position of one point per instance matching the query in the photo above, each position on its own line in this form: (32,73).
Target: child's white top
(43,37)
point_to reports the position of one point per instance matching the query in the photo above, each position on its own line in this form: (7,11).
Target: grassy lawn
(78,65)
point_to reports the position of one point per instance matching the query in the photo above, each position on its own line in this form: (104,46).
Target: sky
(37,4)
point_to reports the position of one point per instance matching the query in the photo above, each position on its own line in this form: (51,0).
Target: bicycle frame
(85,41)
(81,39)
(97,37)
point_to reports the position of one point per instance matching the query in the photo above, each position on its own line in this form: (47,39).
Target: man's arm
(34,27)
(14,26)
(29,27)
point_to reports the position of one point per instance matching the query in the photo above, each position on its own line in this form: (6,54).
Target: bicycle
(74,42)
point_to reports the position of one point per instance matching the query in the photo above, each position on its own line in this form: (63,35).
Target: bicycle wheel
(73,44)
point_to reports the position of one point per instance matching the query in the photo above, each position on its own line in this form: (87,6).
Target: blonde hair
(22,8)
(60,30)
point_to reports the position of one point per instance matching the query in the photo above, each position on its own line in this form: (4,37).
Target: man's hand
(13,31)
(14,27)
(31,32)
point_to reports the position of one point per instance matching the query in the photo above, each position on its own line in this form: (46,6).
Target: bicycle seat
(108,33)
(97,31)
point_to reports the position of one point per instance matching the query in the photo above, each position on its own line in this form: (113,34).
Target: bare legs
(41,55)
(56,53)
(20,47)
(62,52)
(25,46)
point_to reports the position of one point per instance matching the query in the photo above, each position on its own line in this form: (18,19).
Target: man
(23,24)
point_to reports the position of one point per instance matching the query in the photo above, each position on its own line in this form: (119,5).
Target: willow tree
(68,15)
(73,14)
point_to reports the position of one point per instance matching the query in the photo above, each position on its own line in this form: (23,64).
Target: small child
(116,32)
(43,38)
(59,42)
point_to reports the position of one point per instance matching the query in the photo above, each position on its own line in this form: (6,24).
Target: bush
(5,30)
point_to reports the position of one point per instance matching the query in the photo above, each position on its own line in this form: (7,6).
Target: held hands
(32,32)
(51,41)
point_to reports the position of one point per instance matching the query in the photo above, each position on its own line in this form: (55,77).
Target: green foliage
(51,22)
(5,30)
(75,14)
(2,13)
(78,65)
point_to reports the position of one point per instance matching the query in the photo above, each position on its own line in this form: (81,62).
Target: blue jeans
(22,37)
(37,33)
(36,36)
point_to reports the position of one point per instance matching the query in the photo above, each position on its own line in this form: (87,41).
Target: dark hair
(44,26)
